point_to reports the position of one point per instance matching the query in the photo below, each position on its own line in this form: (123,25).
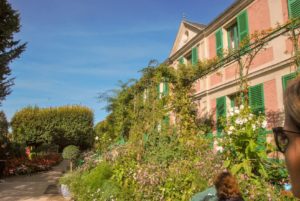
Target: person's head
(288,137)
(227,186)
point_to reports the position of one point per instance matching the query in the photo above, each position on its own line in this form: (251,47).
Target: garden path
(37,187)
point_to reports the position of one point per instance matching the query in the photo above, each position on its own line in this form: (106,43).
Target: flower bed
(23,165)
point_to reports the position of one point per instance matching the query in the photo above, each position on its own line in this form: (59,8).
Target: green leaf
(247,167)
(236,168)
(227,163)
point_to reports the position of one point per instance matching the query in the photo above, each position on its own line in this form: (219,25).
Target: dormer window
(186,37)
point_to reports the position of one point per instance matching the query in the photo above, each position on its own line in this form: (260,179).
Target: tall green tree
(10,48)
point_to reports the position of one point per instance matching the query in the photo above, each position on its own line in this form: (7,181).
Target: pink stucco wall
(285,10)
(271,103)
(231,71)
(212,46)
(259,16)
(270,93)
(289,45)
(215,78)
(196,86)
(263,57)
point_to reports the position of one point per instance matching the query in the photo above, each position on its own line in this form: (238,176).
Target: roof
(196,25)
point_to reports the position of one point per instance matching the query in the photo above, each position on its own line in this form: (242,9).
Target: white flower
(231,113)
(219,148)
(237,111)
(231,128)
(231,110)
(229,132)
(239,121)
(242,107)
(253,126)
(96,138)
(264,124)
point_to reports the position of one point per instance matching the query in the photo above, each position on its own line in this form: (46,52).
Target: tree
(3,134)
(10,48)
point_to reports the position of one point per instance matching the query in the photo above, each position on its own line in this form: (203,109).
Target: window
(163,88)
(181,60)
(159,91)
(166,120)
(194,55)
(286,79)
(221,112)
(256,98)
(237,31)
(145,94)
(233,100)
(232,34)
(294,8)
(219,42)
(186,37)
(188,58)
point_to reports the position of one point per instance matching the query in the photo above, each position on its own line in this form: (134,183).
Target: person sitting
(227,188)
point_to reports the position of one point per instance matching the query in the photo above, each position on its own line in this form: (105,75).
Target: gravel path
(37,187)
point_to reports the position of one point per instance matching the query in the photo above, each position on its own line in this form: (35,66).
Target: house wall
(259,16)
(268,67)
(211,46)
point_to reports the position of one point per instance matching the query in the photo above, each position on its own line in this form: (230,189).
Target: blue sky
(79,48)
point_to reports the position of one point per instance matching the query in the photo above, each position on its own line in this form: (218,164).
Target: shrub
(96,184)
(71,152)
(62,126)
(243,142)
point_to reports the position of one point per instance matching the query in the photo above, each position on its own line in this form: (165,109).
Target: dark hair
(227,187)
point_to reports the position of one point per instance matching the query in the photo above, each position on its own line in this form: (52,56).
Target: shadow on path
(36,187)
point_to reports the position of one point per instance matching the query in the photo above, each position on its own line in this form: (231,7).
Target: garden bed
(23,165)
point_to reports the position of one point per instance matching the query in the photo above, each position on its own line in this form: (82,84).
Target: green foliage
(243,150)
(70,152)
(62,126)
(10,49)
(93,185)
(103,135)
(3,135)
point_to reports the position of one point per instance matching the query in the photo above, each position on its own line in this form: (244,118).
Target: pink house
(269,72)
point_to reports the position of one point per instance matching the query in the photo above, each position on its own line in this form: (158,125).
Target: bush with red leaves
(18,166)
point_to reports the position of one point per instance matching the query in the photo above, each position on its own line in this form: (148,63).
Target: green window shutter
(221,112)
(194,55)
(294,8)
(210,137)
(219,42)
(145,137)
(243,28)
(261,140)
(256,98)
(158,90)
(181,60)
(166,120)
(286,79)
(166,88)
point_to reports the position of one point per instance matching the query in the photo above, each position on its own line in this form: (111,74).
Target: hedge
(56,125)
